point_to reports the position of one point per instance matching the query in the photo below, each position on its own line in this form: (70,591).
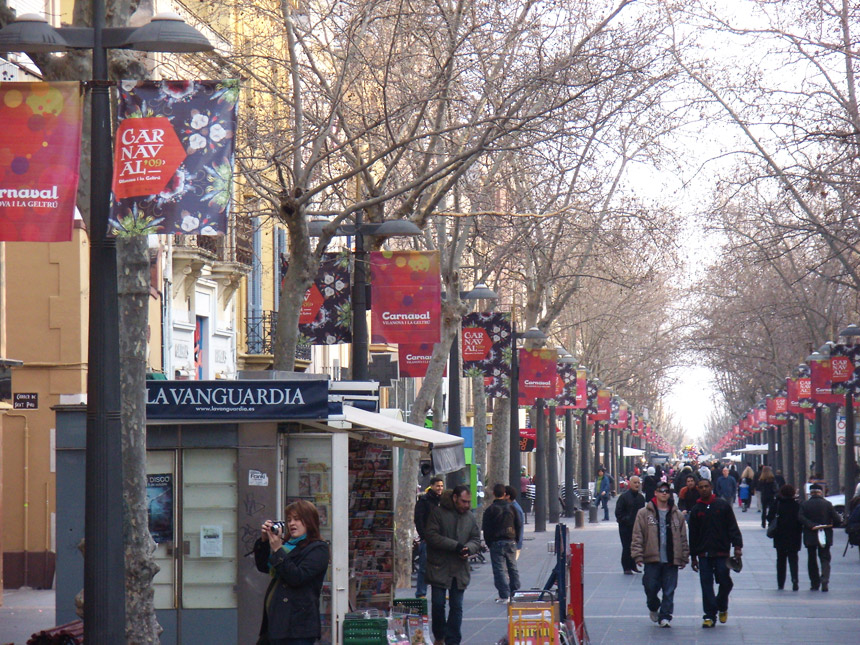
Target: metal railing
(235,246)
(260,333)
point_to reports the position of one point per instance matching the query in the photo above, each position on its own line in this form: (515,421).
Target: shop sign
(236,400)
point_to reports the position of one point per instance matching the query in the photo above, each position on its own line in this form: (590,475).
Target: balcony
(260,333)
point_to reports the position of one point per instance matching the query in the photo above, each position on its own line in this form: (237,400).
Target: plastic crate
(411,605)
(365,631)
(532,623)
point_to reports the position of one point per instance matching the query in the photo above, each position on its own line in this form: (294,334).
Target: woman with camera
(294,554)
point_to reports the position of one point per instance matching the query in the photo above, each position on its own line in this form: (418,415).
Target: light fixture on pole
(533,333)
(569,500)
(360,229)
(104,564)
(849,467)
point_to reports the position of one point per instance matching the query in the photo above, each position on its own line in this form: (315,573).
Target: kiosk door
(192,495)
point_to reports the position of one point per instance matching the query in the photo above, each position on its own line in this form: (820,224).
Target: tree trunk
(479,442)
(408,479)
(140,568)
(301,273)
(499,442)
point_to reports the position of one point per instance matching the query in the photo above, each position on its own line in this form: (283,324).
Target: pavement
(614,603)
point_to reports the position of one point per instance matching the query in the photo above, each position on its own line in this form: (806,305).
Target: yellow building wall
(46,321)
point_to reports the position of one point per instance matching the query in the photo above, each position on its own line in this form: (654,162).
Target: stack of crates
(410,606)
(532,621)
(365,631)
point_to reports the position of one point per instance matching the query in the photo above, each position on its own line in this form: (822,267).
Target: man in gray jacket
(452,536)
(817,514)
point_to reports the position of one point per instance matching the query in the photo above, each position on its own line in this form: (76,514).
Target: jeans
(660,576)
(711,570)
(604,500)
(626,533)
(816,553)
(765,509)
(447,631)
(503,556)
(420,582)
(781,557)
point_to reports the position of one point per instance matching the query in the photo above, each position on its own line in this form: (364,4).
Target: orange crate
(532,623)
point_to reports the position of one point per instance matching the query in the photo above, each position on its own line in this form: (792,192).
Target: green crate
(411,605)
(365,631)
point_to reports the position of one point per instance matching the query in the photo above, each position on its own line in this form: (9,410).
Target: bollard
(592,514)
(579,519)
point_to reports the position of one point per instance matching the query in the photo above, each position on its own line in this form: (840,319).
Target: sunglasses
(663,490)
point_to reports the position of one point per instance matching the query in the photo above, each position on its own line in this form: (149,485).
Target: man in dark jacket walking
(726,486)
(502,526)
(452,536)
(817,514)
(426,503)
(713,531)
(628,504)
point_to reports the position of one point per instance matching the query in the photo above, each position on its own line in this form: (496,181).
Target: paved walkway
(615,603)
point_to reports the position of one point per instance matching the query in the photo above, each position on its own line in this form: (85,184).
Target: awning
(754,449)
(445,449)
(628,451)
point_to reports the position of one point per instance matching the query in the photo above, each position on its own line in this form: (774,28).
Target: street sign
(25,401)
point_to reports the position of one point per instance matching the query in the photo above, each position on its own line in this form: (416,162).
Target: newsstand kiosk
(222,457)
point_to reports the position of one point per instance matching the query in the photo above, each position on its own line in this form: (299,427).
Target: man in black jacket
(501,526)
(713,531)
(628,504)
(817,514)
(426,503)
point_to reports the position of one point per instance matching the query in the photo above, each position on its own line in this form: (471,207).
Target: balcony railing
(235,246)
(261,332)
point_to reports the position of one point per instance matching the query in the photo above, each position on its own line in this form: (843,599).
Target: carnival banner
(405,297)
(326,315)
(537,375)
(822,391)
(581,389)
(566,392)
(604,405)
(173,164)
(40,150)
(486,349)
(776,412)
(414,359)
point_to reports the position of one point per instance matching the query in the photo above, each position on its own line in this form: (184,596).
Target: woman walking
(291,614)
(745,488)
(787,532)
(767,486)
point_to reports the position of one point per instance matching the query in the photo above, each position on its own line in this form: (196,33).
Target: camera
(278,528)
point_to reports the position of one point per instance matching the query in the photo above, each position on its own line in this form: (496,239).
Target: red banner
(40,149)
(841,369)
(791,386)
(537,375)
(581,390)
(604,406)
(414,359)
(822,391)
(405,297)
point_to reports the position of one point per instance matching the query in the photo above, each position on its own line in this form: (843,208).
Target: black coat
(292,605)
(493,523)
(767,490)
(713,528)
(788,527)
(649,485)
(817,511)
(626,507)
(426,503)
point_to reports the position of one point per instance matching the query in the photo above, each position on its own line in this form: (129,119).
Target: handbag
(772,527)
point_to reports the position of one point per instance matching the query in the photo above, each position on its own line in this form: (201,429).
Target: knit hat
(651,470)
(816,487)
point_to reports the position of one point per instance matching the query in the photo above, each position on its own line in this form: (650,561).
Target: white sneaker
(502,601)
(664,623)
(654,616)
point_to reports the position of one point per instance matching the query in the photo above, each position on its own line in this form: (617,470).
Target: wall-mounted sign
(233,400)
(25,401)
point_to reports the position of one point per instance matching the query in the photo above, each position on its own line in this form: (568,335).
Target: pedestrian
(511,496)
(426,503)
(713,531)
(626,507)
(767,488)
(755,488)
(745,487)
(502,526)
(785,528)
(296,558)
(779,479)
(681,479)
(660,543)
(425,477)
(705,471)
(524,488)
(818,478)
(602,486)
(818,518)
(649,484)
(688,496)
(452,536)
(726,486)
(733,471)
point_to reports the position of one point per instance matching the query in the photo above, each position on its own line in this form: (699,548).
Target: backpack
(509,529)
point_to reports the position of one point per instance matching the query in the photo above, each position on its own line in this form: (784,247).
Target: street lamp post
(849,460)
(569,501)
(104,560)
(360,229)
(514,456)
